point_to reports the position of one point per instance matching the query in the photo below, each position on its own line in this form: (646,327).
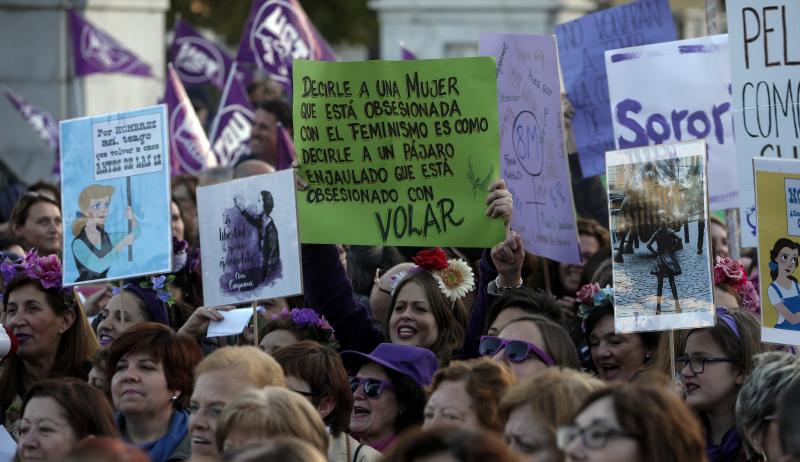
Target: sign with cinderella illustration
(248,239)
(115,196)
(777,184)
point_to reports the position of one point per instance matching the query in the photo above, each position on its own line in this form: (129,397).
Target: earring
(648,357)
(174,398)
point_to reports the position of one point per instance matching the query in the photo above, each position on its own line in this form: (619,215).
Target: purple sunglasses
(516,350)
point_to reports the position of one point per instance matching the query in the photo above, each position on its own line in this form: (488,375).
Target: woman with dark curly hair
(388,388)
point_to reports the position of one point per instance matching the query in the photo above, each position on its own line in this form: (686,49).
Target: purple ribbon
(724,316)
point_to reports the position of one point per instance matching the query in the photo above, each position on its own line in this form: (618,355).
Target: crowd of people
(393,354)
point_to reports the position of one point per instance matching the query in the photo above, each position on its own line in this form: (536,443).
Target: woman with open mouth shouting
(714,364)
(388,391)
(53,334)
(615,357)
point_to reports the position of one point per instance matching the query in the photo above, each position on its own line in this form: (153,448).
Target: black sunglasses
(372,387)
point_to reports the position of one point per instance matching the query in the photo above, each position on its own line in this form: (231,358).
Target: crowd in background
(378,360)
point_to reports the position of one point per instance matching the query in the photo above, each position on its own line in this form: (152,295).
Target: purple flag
(189,149)
(197,60)
(406,54)
(278,32)
(42,123)
(94,51)
(230,132)
(286,153)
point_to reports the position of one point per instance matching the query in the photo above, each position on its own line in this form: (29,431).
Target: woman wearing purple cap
(378,381)
(714,363)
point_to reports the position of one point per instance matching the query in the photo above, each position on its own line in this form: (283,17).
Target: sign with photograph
(248,239)
(777,183)
(115,196)
(659,209)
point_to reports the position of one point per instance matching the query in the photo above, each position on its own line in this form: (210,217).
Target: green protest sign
(397,152)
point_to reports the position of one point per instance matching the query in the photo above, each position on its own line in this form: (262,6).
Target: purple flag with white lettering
(286,153)
(230,132)
(94,51)
(42,122)
(197,60)
(278,32)
(190,151)
(406,54)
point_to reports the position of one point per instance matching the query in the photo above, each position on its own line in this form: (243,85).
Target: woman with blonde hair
(272,411)
(218,380)
(535,408)
(93,247)
(467,393)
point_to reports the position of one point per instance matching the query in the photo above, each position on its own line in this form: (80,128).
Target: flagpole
(225,91)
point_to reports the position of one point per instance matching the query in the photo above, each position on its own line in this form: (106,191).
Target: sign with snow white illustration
(248,239)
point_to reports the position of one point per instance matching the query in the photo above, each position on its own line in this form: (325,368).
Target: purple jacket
(329,291)
(480,309)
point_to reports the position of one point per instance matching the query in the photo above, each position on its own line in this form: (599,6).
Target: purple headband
(724,315)
(154,306)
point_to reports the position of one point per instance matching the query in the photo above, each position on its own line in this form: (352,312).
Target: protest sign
(658,196)
(277,33)
(197,60)
(777,188)
(677,91)
(765,65)
(190,151)
(115,196)
(230,131)
(94,51)
(248,239)
(532,159)
(401,151)
(581,45)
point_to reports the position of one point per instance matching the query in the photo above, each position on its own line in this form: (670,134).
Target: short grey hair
(757,399)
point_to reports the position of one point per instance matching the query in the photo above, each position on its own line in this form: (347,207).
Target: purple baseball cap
(418,363)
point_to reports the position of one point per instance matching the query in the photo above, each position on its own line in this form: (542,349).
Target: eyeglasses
(516,350)
(593,437)
(697,364)
(372,387)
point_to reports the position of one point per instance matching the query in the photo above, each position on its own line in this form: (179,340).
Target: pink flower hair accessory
(731,272)
(46,270)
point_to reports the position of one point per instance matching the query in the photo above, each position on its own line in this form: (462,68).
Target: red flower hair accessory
(454,276)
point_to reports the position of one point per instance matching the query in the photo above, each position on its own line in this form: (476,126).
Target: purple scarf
(727,450)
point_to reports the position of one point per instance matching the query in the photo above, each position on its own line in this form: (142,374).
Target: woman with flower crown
(426,309)
(53,334)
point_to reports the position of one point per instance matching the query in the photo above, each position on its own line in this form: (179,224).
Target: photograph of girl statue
(666,264)
(658,209)
(267,233)
(94,248)
(784,291)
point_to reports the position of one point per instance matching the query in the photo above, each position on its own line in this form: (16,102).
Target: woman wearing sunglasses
(714,363)
(632,423)
(530,344)
(388,391)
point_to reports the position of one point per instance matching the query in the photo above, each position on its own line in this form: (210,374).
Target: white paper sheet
(233,323)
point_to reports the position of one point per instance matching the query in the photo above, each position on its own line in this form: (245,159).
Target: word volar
(399,221)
